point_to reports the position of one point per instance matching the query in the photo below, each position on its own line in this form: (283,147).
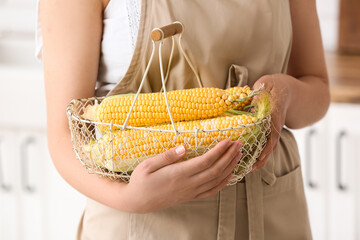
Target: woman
(275,42)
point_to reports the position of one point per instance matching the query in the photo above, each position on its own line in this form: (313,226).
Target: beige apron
(232,42)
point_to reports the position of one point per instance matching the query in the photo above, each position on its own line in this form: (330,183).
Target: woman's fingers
(166,158)
(276,121)
(205,161)
(228,170)
(218,168)
(215,189)
(270,147)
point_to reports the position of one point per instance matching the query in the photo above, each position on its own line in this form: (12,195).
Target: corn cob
(244,93)
(150,108)
(123,150)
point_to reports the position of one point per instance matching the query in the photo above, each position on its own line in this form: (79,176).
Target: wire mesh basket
(114,150)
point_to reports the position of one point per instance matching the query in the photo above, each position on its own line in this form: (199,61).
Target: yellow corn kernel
(183,106)
(240,93)
(123,148)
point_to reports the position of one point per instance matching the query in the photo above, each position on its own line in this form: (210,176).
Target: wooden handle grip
(166,31)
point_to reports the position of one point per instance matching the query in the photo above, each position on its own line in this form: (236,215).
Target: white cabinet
(344,174)
(330,153)
(22,187)
(32,159)
(64,207)
(312,143)
(35,202)
(9,191)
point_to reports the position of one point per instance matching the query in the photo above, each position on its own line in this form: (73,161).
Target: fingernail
(262,157)
(180,150)
(253,168)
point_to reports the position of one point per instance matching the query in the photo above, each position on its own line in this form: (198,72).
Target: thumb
(166,158)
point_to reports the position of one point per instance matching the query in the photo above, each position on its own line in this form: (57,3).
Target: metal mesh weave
(113,152)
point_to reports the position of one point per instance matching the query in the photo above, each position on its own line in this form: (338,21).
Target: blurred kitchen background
(36,204)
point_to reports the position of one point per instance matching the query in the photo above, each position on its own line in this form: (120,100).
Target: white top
(120,27)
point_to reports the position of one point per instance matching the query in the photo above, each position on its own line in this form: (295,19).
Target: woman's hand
(276,86)
(165,181)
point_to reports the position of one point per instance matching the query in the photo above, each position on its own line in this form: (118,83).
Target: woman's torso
(255,37)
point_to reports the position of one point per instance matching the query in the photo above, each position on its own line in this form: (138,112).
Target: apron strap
(227,213)
(254,195)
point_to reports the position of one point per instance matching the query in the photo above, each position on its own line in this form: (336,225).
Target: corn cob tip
(264,103)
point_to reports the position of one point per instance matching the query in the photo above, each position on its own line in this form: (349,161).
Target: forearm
(72,33)
(308,99)
(307,83)
(103,190)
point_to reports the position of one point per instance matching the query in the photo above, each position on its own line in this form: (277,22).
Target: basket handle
(166,31)
(158,34)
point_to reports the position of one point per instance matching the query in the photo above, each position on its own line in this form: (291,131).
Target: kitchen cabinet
(344,191)
(312,142)
(29,146)
(22,186)
(35,202)
(64,207)
(9,192)
(330,154)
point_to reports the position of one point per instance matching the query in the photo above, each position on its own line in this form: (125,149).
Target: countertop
(344,75)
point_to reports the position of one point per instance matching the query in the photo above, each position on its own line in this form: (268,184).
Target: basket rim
(75,117)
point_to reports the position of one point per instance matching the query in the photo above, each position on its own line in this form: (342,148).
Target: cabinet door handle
(25,164)
(308,159)
(339,164)
(3,185)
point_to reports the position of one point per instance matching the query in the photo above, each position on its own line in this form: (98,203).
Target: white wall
(328,11)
